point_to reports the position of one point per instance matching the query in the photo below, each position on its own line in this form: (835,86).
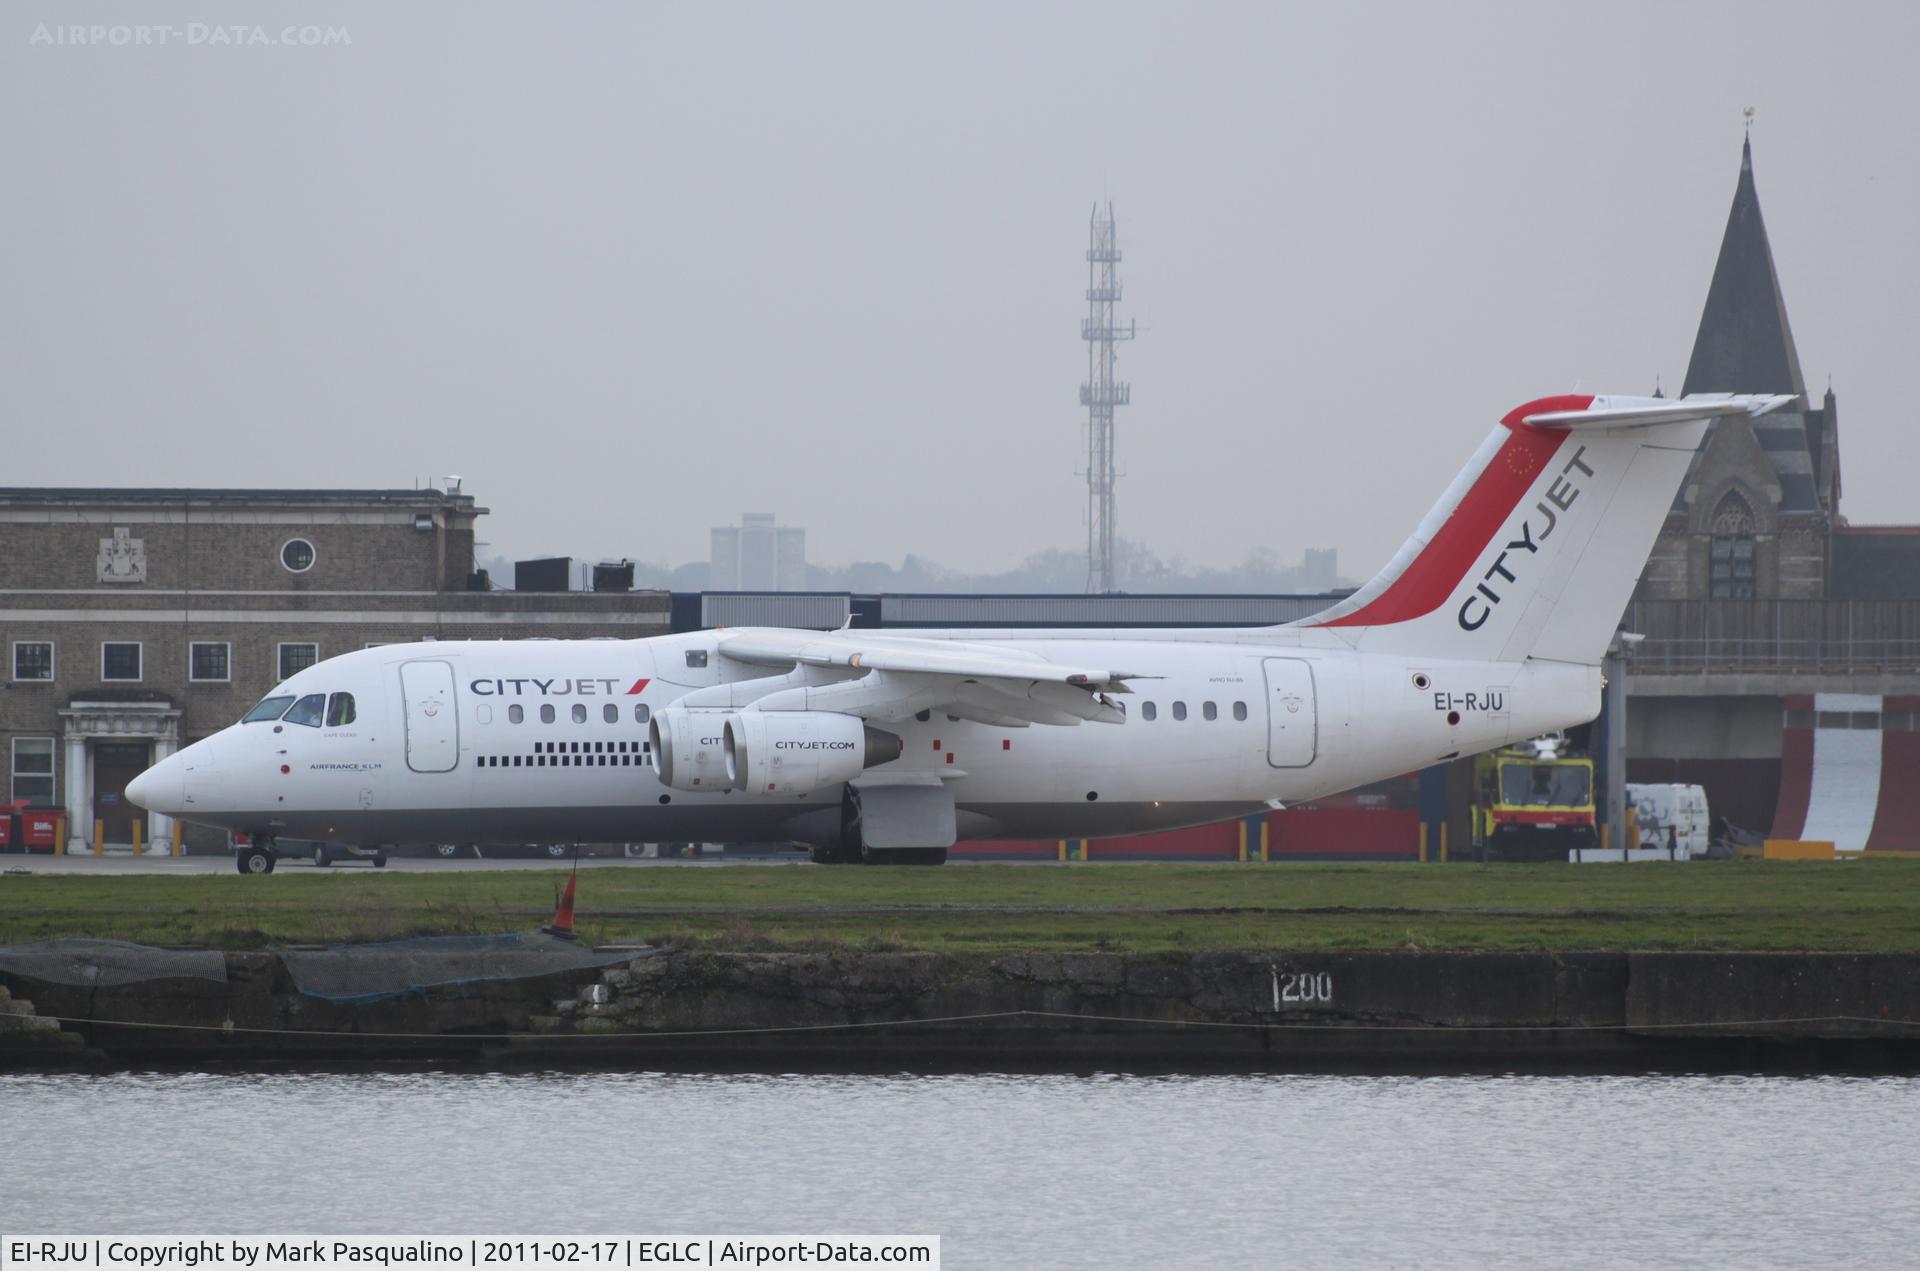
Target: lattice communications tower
(1101,393)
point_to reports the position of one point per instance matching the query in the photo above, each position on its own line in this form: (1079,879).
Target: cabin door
(1292,714)
(433,726)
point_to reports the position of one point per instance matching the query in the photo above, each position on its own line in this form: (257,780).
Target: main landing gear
(257,856)
(851,847)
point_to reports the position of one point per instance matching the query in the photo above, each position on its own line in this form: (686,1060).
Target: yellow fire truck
(1532,803)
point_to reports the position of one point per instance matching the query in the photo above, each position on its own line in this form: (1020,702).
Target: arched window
(1730,556)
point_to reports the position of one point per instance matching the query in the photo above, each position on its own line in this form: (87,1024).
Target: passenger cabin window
(1179,710)
(546,713)
(1149,711)
(515,713)
(1239,710)
(340,710)
(640,713)
(610,713)
(1209,711)
(308,711)
(269,708)
(579,713)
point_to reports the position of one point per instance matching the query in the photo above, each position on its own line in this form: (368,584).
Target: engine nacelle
(798,752)
(689,748)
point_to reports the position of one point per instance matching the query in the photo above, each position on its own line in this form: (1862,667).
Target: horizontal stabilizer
(1605,414)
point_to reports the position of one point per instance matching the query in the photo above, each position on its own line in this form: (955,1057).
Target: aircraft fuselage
(515,741)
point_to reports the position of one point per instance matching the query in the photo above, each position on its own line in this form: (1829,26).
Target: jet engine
(797,752)
(689,748)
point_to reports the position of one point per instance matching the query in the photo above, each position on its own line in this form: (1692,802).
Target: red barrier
(1343,834)
(1210,842)
(1009,849)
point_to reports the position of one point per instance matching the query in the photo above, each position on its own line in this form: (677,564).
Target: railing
(1655,656)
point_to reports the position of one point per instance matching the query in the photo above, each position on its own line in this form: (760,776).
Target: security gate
(1292,716)
(433,727)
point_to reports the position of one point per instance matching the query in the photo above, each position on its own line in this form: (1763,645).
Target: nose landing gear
(257,857)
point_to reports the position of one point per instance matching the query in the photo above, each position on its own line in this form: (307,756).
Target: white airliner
(1487,627)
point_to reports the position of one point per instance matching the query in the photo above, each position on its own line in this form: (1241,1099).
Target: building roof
(1744,344)
(1875,563)
(138,496)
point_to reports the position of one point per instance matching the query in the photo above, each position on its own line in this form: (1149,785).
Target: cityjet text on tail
(1486,627)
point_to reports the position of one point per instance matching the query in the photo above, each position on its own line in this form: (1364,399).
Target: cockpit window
(307,710)
(271,708)
(340,710)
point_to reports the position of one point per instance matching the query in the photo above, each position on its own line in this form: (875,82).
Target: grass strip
(1864,906)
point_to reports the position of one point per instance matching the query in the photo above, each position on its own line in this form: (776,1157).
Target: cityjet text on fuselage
(1561,493)
(563,686)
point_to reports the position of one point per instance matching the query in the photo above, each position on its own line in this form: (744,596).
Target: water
(1012,1171)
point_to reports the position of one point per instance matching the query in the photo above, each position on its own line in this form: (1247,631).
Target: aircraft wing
(880,676)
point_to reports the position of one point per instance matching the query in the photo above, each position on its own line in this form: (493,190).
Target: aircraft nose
(161,788)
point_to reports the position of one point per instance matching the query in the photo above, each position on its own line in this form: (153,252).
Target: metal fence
(1740,654)
(1689,637)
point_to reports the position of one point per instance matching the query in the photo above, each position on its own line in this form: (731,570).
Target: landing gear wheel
(904,856)
(255,860)
(446,851)
(379,860)
(559,851)
(321,856)
(836,855)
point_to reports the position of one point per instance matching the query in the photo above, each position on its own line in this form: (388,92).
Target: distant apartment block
(1320,569)
(758,555)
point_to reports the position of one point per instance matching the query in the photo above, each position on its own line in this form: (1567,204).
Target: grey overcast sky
(634,268)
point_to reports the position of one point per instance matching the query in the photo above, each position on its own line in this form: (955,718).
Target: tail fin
(1534,549)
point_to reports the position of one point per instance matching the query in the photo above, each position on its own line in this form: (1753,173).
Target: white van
(1672,818)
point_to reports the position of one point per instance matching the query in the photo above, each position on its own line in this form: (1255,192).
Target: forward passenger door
(433,725)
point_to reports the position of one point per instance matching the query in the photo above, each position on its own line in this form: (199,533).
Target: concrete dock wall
(1388,1011)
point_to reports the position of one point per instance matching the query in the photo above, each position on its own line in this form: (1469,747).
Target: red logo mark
(638,685)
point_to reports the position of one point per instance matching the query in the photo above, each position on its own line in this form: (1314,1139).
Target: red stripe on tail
(1432,576)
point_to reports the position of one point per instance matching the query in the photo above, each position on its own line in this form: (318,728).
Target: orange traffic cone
(562,925)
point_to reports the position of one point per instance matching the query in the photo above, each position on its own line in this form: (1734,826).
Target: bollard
(99,836)
(136,837)
(60,835)
(1063,850)
(177,829)
(1264,823)
(1443,842)
(1243,842)
(1423,842)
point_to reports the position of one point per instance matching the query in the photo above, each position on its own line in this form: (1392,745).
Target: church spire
(1744,344)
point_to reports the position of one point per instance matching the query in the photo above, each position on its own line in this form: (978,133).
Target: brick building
(1758,517)
(136,621)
